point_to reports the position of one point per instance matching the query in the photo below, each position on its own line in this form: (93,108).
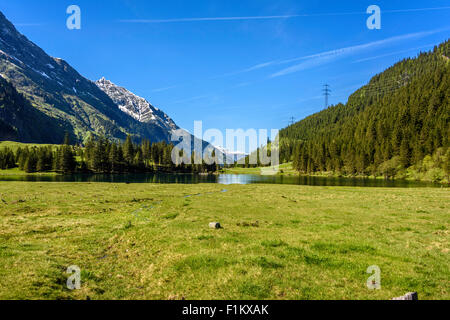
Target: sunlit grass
(150,241)
(284,169)
(18,172)
(16,145)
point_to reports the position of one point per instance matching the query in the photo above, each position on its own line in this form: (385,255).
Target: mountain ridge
(56,90)
(135,106)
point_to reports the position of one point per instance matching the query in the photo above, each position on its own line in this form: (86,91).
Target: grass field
(18,172)
(16,145)
(150,241)
(284,169)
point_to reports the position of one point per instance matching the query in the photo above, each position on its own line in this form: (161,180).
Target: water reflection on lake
(221,179)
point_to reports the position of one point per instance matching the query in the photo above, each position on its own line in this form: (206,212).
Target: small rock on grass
(408,296)
(215,225)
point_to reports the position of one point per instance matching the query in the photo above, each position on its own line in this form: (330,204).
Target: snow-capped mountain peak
(135,106)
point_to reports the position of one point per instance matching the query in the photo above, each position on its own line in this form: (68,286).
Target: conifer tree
(128,151)
(67,162)
(31,162)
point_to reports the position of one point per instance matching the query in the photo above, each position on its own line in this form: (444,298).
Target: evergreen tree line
(46,159)
(99,155)
(103,156)
(7,159)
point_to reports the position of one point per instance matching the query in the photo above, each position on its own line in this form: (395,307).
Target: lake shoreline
(214,178)
(287,171)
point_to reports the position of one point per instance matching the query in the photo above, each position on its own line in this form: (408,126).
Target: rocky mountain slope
(135,106)
(20,121)
(54,90)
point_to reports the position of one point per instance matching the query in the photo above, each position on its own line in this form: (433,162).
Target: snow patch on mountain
(10,56)
(42,73)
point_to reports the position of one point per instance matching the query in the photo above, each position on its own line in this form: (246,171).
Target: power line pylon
(326,92)
(292,121)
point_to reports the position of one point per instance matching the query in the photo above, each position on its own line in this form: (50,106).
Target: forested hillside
(397,124)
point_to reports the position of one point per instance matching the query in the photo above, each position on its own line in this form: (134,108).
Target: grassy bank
(285,169)
(18,172)
(411,174)
(150,241)
(12,145)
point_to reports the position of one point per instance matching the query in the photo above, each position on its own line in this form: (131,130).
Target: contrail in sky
(209,19)
(320,58)
(272,17)
(325,57)
(393,53)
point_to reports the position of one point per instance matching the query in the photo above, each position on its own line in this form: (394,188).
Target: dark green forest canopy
(395,121)
(100,155)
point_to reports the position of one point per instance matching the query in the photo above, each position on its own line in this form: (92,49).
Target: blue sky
(233,63)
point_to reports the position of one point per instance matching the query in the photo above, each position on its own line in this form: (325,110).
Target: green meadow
(18,172)
(284,169)
(151,241)
(16,145)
